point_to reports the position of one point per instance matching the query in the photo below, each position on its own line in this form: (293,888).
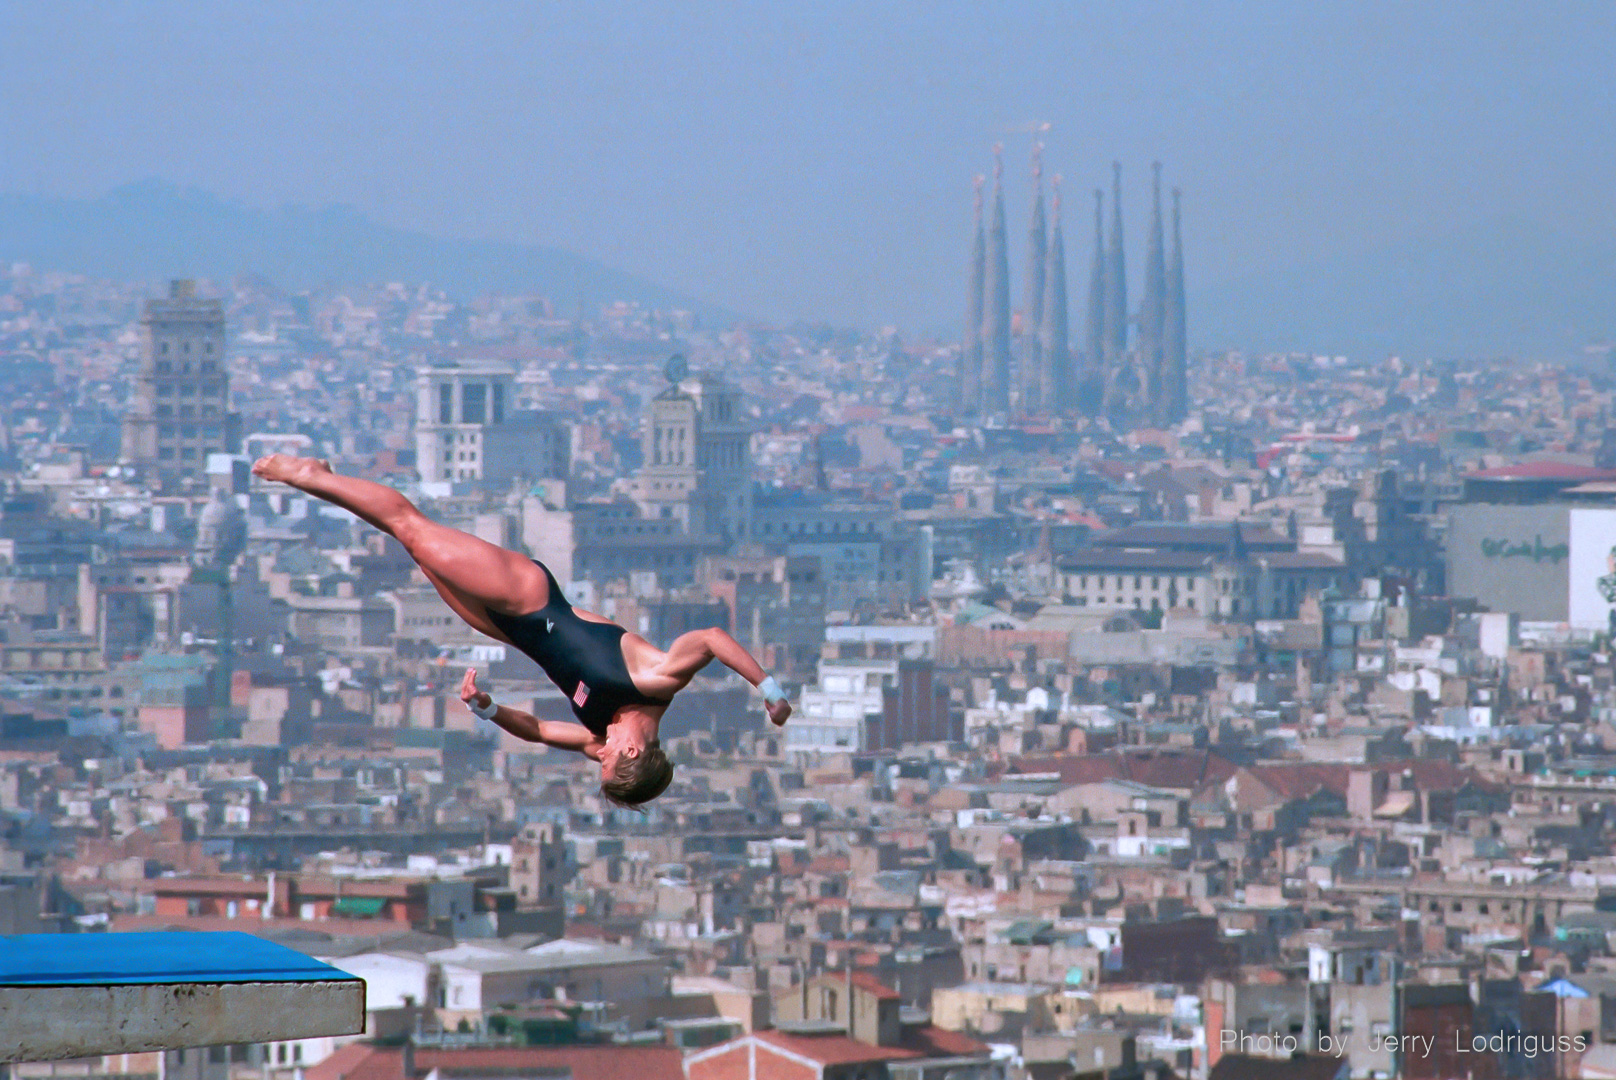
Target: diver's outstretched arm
(562,735)
(691,652)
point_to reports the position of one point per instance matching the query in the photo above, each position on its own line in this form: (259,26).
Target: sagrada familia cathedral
(1030,368)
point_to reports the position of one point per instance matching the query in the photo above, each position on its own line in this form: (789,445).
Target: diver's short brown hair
(640,778)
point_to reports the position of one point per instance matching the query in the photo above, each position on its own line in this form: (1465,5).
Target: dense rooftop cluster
(1278,741)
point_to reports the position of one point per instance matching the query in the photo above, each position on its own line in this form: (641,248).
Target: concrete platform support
(79,995)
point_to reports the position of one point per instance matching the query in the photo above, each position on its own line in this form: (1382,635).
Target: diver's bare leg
(472,575)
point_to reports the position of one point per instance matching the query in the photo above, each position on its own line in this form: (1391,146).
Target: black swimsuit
(583,658)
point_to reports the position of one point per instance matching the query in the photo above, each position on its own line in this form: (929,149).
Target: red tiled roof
(585,1062)
(359,1061)
(933,1041)
(1182,770)
(835,1049)
(341,1063)
(830,864)
(1299,780)
(870,984)
(1294,780)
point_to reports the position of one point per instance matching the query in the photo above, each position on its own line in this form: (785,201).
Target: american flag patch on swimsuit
(580,695)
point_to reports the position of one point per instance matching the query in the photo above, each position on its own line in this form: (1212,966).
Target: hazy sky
(816,159)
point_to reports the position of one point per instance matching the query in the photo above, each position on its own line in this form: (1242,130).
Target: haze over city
(1357,177)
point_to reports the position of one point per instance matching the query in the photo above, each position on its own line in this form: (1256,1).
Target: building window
(445,404)
(474,403)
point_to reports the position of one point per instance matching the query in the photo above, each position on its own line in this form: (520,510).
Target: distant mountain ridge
(1500,288)
(153,230)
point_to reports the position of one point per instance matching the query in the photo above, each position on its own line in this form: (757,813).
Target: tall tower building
(180,410)
(667,480)
(698,461)
(1092,390)
(970,373)
(1153,307)
(1175,359)
(723,460)
(1060,377)
(467,428)
(1034,381)
(996,296)
(1116,279)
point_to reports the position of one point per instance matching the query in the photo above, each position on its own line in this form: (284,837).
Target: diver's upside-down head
(639,778)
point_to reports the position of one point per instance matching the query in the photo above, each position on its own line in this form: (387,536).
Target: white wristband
(771,690)
(486,714)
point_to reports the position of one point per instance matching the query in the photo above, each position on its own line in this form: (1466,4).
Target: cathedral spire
(970,366)
(1060,380)
(1153,307)
(996,296)
(1116,280)
(1175,359)
(1094,365)
(1034,385)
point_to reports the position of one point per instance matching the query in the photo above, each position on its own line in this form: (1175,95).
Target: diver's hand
(469,693)
(779,711)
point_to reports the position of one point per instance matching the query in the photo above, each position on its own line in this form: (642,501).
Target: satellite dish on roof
(677,368)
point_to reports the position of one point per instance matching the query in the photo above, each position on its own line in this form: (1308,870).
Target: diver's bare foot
(287,469)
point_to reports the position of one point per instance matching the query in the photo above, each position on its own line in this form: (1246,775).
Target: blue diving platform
(80,995)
